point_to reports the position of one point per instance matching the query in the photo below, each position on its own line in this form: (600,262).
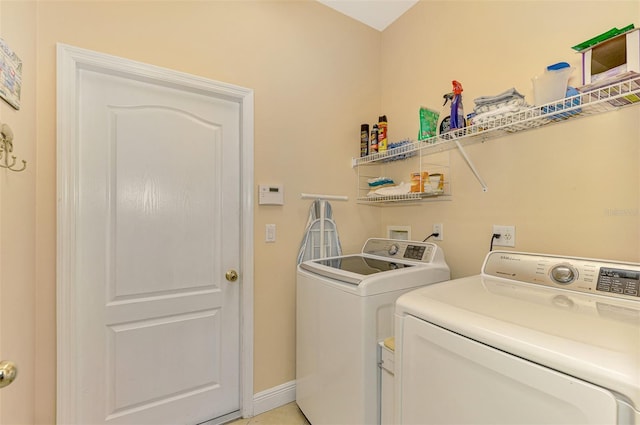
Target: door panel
(157,226)
(445,378)
(166,200)
(140,371)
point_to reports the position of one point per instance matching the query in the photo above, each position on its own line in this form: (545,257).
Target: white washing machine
(345,306)
(533,339)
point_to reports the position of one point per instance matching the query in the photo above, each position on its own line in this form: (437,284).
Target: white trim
(70,60)
(66,200)
(274,397)
(246,256)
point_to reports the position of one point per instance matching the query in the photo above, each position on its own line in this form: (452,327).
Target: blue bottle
(457,110)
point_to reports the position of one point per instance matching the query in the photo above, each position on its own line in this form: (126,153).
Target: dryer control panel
(619,281)
(423,252)
(601,277)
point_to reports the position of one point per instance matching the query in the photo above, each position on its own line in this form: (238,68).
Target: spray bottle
(457,111)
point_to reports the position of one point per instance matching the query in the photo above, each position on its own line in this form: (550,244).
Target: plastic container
(551,86)
(418,180)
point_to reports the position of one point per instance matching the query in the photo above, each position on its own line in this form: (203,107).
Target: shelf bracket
(471,166)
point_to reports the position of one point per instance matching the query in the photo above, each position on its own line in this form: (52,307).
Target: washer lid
(352,268)
(384,265)
(591,337)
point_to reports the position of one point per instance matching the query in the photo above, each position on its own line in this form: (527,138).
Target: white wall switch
(270,233)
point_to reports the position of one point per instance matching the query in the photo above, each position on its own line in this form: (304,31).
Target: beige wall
(570,188)
(17,223)
(317,76)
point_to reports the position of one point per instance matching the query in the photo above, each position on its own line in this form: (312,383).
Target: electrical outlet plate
(438,228)
(507,235)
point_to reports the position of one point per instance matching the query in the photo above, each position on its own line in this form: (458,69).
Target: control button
(393,249)
(564,274)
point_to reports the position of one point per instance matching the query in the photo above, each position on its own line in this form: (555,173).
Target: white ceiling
(378,14)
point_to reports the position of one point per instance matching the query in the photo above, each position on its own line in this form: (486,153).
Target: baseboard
(274,397)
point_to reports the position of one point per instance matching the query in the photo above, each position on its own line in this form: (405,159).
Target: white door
(156,226)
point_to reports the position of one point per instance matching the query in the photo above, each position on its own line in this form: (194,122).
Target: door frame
(70,60)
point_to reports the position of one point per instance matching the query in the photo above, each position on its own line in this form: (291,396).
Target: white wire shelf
(592,100)
(412,196)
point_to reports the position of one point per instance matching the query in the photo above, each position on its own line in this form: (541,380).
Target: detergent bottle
(457,111)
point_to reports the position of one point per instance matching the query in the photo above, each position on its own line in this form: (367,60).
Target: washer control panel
(616,279)
(563,274)
(422,252)
(619,281)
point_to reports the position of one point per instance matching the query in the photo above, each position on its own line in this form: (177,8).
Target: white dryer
(533,339)
(345,306)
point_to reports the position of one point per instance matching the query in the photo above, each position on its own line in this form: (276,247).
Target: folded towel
(507,95)
(493,106)
(379,181)
(509,119)
(401,189)
(498,117)
(501,111)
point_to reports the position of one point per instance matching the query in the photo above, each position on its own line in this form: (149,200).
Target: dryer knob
(564,274)
(393,249)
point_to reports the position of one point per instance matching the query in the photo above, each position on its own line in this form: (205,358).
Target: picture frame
(10,75)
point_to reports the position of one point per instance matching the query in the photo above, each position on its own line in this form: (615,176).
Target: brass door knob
(8,373)
(231,275)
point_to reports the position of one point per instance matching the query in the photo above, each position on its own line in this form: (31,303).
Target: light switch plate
(270,233)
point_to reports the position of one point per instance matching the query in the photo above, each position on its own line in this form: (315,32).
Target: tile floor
(289,414)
